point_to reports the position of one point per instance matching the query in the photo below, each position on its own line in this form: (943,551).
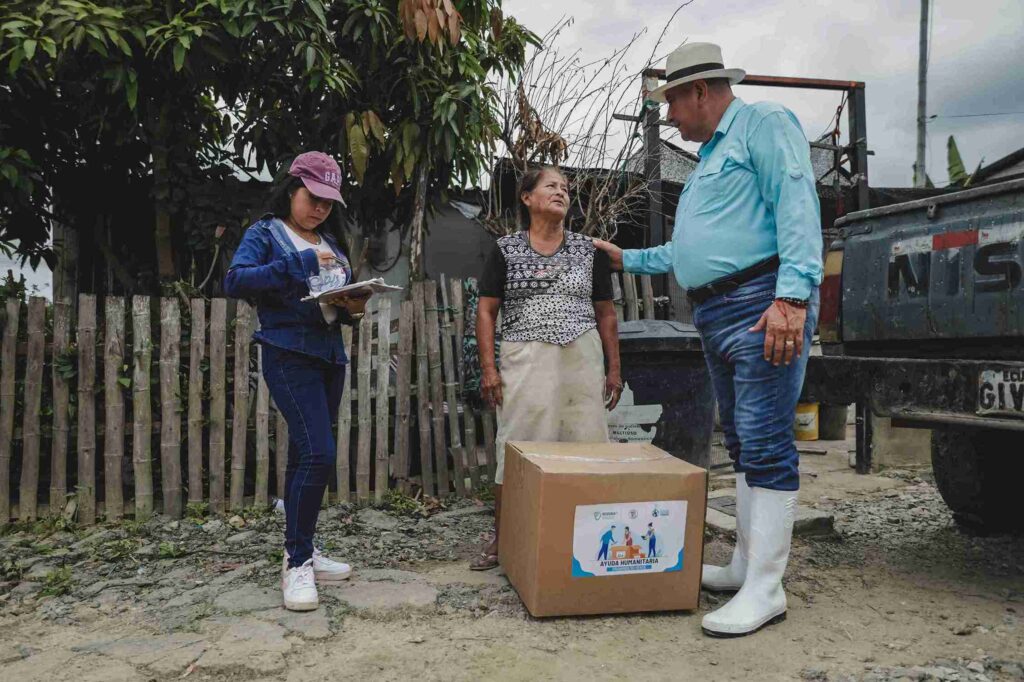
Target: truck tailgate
(946,267)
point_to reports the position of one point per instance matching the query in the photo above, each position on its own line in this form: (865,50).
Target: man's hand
(783,326)
(614,252)
(490,387)
(612,390)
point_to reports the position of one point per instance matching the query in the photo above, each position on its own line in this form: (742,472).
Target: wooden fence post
(142,410)
(436,387)
(86,485)
(7,401)
(343,463)
(113,391)
(403,407)
(632,307)
(365,409)
(170,402)
(617,297)
(30,433)
(61,413)
(647,291)
(261,494)
(218,401)
(240,417)
(451,394)
(197,352)
(383,379)
(459,318)
(423,389)
(469,418)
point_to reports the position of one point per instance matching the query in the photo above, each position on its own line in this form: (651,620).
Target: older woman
(560,348)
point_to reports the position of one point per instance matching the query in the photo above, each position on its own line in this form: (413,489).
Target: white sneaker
(326,570)
(329,570)
(299,588)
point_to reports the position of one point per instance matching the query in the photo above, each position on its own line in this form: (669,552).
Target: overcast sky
(976,64)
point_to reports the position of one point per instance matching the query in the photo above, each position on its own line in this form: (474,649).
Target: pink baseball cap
(320,174)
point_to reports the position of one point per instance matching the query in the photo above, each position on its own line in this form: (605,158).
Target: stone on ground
(376,519)
(383,597)
(312,625)
(164,654)
(251,644)
(248,598)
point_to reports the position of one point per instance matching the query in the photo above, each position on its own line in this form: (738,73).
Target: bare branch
(561,111)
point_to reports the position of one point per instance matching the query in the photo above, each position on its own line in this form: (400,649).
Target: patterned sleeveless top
(547,298)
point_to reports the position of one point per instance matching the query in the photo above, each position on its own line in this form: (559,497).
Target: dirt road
(898,593)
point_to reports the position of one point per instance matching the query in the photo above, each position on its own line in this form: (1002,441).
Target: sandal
(484,562)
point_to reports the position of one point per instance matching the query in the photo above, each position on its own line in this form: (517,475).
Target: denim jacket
(269,270)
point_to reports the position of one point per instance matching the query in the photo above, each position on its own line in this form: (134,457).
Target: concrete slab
(720,521)
(384,597)
(809,522)
(248,598)
(459,574)
(164,654)
(248,643)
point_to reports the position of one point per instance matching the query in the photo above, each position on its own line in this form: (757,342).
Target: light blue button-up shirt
(752,196)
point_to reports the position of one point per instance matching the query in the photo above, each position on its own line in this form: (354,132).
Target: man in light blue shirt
(747,247)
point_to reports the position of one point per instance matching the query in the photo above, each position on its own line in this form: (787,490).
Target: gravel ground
(899,593)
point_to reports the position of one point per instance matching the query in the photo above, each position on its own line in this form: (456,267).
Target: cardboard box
(565,508)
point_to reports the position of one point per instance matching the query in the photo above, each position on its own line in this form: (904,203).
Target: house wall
(455,246)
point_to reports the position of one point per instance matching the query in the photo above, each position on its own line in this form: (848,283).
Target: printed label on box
(628,538)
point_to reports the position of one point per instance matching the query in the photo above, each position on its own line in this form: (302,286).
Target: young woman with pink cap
(283,258)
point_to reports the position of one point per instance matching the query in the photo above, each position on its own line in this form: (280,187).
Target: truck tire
(976,472)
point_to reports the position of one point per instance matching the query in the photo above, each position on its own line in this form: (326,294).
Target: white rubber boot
(761,601)
(730,578)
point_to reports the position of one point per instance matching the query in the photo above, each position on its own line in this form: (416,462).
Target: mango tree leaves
(359,150)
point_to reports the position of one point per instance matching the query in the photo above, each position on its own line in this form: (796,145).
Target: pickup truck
(922,320)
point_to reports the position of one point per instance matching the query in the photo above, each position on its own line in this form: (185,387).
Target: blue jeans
(756,400)
(307,391)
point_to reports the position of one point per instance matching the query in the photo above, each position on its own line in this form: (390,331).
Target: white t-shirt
(326,280)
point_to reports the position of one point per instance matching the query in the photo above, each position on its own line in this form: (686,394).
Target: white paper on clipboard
(373,286)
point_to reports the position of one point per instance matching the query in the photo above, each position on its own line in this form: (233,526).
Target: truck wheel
(976,473)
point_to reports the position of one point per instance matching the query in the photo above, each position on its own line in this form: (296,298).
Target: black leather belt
(723,285)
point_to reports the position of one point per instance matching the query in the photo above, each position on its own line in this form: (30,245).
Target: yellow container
(805,425)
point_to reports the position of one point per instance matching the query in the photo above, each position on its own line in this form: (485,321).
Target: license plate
(1001,391)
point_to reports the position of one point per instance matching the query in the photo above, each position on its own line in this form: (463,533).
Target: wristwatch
(798,302)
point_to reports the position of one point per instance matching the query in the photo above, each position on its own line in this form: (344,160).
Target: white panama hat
(695,61)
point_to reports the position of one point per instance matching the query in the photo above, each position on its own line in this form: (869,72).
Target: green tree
(141,93)
(141,107)
(422,118)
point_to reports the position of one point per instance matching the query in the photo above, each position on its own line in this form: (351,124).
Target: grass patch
(58,582)
(197,511)
(170,550)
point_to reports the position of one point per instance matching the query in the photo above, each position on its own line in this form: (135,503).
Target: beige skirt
(551,393)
